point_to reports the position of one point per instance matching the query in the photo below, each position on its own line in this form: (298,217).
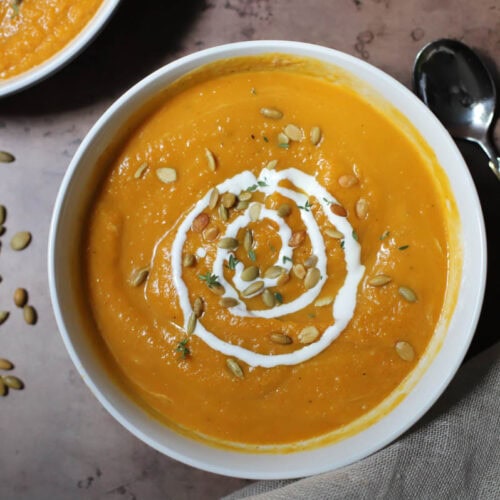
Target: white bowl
(434,374)
(62,57)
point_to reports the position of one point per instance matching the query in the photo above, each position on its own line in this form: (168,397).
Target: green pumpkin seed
(312,278)
(273,113)
(284,210)
(308,335)
(324,301)
(273,272)
(249,273)
(211,162)
(407,293)
(3,214)
(228,200)
(191,324)
(234,368)
(3,388)
(13,382)
(140,171)
(217,290)
(139,276)
(405,350)
(254,289)
(30,315)
(228,243)
(379,280)
(272,164)
(5,364)
(280,338)
(6,157)
(268,298)
(299,271)
(315,135)
(293,132)
(189,260)
(255,210)
(223,213)
(166,175)
(198,307)
(3,316)
(242,205)
(311,261)
(248,240)
(214,198)
(245,196)
(283,138)
(228,302)
(20,240)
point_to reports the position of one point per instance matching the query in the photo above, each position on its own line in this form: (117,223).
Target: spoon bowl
(454,83)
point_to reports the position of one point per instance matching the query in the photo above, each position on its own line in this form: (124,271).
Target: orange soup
(267,255)
(32,31)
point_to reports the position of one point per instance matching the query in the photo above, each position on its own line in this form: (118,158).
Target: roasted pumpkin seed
(3,214)
(254,289)
(228,200)
(211,161)
(200,222)
(30,315)
(338,210)
(3,316)
(297,239)
(308,335)
(284,210)
(13,382)
(234,367)
(280,338)
(211,233)
(249,273)
(20,297)
(248,240)
(228,243)
(273,113)
(6,157)
(405,350)
(347,181)
(379,280)
(299,271)
(198,307)
(3,388)
(191,324)
(333,233)
(245,196)
(272,164)
(20,240)
(283,138)
(407,293)
(166,174)
(268,298)
(5,364)
(324,301)
(242,205)
(138,276)
(140,171)
(223,213)
(228,302)
(254,212)
(361,208)
(214,198)
(217,290)
(273,272)
(293,132)
(315,135)
(311,261)
(312,278)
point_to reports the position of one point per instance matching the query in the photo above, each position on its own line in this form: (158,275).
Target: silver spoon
(453,82)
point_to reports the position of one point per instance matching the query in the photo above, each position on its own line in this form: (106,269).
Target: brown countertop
(56,441)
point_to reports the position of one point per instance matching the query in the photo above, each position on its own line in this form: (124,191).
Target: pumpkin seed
(228,200)
(293,132)
(273,113)
(254,289)
(242,205)
(272,164)
(20,297)
(5,364)
(255,210)
(299,270)
(308,335)
(324,301)
(333,233)
(211,233)
(283,278)
(249,273)
(268,298)
(234,367)
(379,280)
(228,302)
(200,222)
(198,307)
(347,181)
(140,171)
(280,338)
(312,277)
(3,388)
(283,138)
(223,213)
(311,261)
(338,210)
(20,240)
(189,260)
(284,210)
(214,198)
(6,157)
(13,382)
(29,314)
(405,350)
(3,316)
(166,174)
(297,239)
(245,196)
(211,162)
(228,243)
(138,276)
(407,294)
(191,324)
(217,290)
(248,240)
(273,272)
(315,135)
(361,208)
(3,214)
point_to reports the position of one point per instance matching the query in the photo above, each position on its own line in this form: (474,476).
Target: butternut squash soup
(32,31)
(267,255)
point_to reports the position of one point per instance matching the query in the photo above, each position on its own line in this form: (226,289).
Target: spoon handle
(494,159)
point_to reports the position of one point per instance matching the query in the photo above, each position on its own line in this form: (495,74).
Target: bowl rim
(62,57)
(233,466)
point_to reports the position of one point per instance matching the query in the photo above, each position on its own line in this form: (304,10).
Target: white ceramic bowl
(64,56)
(73,200)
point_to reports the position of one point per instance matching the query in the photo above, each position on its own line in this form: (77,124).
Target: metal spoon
(453,82)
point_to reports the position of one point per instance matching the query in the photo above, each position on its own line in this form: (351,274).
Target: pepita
(268,298)
(211,162)
(283,138)
(189,260)
(223,213)
(3,214)
(234,367)
(3,388)
(166,174)
(3,316)
(405,350)
(308,335)
(242,205)
(138,276)
(324,301)
(347,181)
(140,171)
(20,297)
(315,135)
(214,198)
(248,240)
(333,233)
(284,210)
(249,273)
(272,164)
(198,307)
(200,222)
(407,293)
(20,240)
(217,290)
(5,364)
(299,271)
(29,314)
(6,157)
(297,239)
(312,278)
(273,113)
(361,208)
(311,261)
(283,278)
(245,196)
(294,132)
(254,212)
(228,302)
(13,382)
(228,200)
(211,233)
(273,272)
(254,289)
(379,280)
(191,324)
(338,210)
(280,338)
(228,243)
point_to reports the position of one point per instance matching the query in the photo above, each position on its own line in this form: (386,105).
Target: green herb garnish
(15,7)
(252,255)
(278,297)
(285,258)
(183,349)
(384,236)
(307,206)
(210,279)
(265,139)
(283,145)
(355,235)
(272,247)
(404,247)
(328,202)
(342,244)
(254,187)
(232,262)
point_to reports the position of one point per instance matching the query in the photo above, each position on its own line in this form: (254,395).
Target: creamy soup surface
(267,256)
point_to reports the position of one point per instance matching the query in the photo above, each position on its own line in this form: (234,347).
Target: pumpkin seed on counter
(20,240)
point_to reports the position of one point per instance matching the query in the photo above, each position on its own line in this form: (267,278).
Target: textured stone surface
(57,442)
